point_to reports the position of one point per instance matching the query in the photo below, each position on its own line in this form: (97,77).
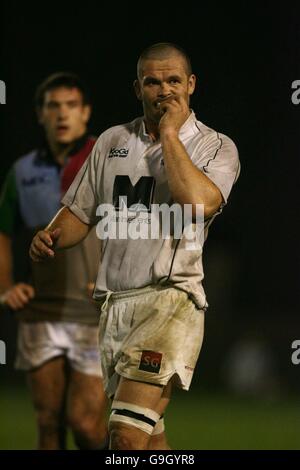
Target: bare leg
(86,410)
(47,384)
(159,441)
(126,437)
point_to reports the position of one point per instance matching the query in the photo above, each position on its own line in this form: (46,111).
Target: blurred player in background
(153,302)
(58,320)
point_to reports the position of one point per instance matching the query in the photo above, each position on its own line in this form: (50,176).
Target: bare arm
(64,231)
(13,295)
(6,261)
(188,185)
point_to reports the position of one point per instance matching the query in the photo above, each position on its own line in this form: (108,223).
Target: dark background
(246,57)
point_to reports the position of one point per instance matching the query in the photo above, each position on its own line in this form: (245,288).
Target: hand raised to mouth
(160,102)
(174,112)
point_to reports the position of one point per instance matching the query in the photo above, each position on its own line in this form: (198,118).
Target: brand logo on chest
(115,152)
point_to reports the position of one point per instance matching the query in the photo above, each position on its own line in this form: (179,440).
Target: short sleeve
(220,163)
(82,196)
(9,209)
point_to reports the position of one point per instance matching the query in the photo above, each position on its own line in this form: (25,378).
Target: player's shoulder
(211,141)
(22,165)
(26,160)
(19,168)
(210,134)
(120,131)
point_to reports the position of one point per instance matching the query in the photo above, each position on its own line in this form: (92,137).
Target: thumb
(55,234)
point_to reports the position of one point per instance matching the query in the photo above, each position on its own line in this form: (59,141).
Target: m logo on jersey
(150,361)
(121,153)
(140,193)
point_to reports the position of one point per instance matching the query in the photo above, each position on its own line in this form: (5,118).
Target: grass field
(194,421)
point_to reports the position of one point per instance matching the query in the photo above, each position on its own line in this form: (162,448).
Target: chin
(154,117)
(64,140)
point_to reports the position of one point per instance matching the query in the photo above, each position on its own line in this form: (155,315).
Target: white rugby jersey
(126,162)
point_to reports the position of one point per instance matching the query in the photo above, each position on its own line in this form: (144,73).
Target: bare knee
(158,442)
(89,432)
(83,425)
(120,440)
(124,437)
(86,411)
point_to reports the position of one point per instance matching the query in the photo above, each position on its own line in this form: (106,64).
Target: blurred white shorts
(150,335)
(38,342)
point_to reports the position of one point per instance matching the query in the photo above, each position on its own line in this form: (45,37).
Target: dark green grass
(194,421)
(226,422)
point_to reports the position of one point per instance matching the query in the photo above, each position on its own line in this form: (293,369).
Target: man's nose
(63,112)
(164,90)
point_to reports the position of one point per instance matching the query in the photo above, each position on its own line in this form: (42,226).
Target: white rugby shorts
(150,335)
(38,342)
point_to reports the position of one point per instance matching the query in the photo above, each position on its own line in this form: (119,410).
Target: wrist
(168,135)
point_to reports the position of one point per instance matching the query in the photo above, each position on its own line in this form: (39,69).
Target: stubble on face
(162,79)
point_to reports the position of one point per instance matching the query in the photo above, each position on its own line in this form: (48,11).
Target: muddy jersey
(30,198)
(126,170)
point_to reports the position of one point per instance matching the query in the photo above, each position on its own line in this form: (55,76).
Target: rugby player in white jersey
(153,302)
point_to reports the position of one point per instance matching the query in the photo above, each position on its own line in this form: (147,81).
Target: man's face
(163,79)
(63,115)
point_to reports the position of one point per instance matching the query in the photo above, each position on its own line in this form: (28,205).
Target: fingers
(12,300)
(174,112)
(45,237)
(166,103)
(90,288)
(28,289)
(173,102)
(55,234)
(172,107)
(39,249)
(18,296)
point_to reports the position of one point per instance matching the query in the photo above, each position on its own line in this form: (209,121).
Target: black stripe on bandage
(132,414)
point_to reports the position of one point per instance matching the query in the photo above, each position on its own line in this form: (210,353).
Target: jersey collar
(44,155)
(187,129)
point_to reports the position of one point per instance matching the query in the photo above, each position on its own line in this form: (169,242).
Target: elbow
(213,207)
(214,203)
(208,207)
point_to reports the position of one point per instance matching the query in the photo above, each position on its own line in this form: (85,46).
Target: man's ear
(191,84)
(137,89)
(87,109)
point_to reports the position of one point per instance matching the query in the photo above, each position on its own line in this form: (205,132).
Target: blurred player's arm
(12,295)
(15,296)
(6,262)
(73,222)
(64,231)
